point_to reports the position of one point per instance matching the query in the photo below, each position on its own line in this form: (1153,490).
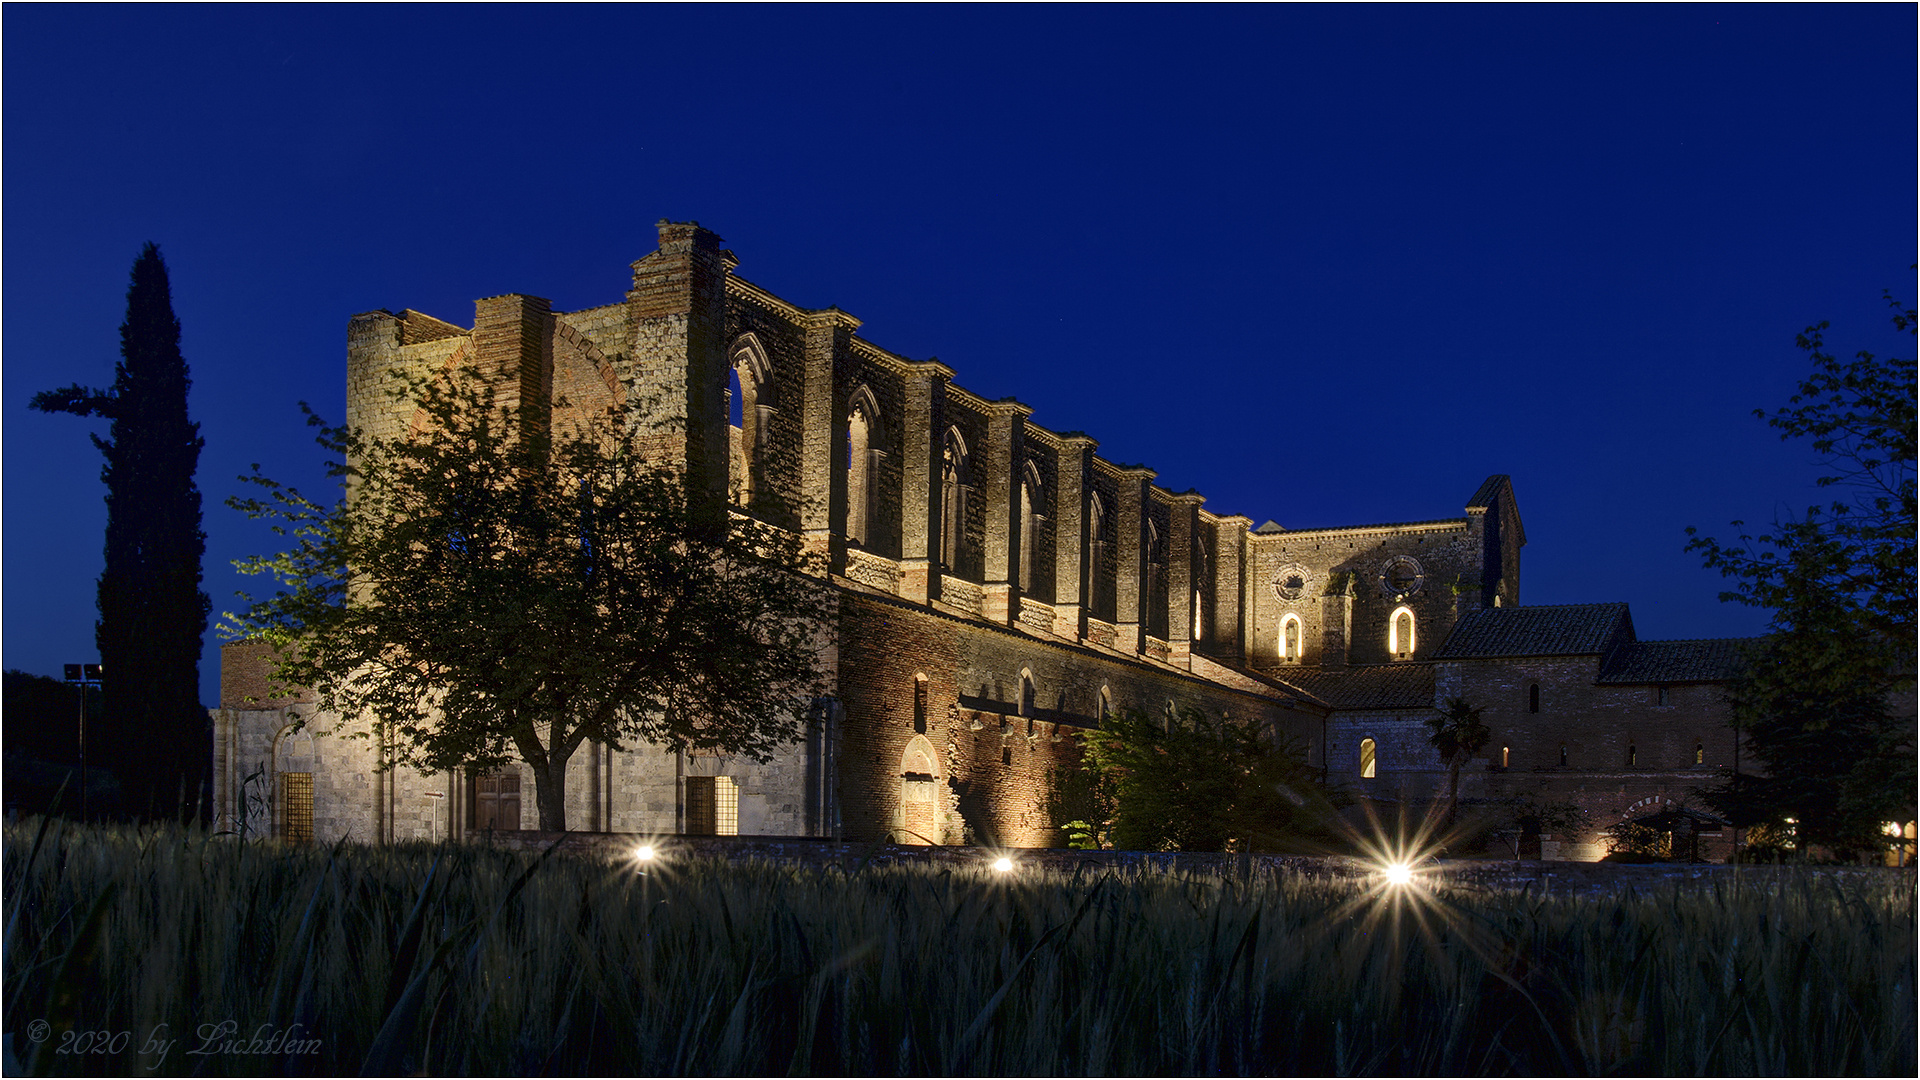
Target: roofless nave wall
(1001,587)
(912,486)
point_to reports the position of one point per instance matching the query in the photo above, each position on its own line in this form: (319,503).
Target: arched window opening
(1368,762)
(919,704)
(956,481)
(1170,714)
(1633,755)
(1097,549)
(1563,756)
(1032,498)
(1699,754)
(1660,696)
(1027,699)
(1533,698)
(863,468)
(1290,639)
(1106,705)
(750,413)
(1197,630)
(1400,631)
(1506,757)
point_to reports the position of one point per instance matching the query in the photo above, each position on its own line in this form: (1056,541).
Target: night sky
(1328,266)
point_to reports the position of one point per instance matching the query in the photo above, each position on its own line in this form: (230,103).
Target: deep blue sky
(1326,265)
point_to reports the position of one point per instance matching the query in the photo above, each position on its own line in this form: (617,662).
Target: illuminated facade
(1002,587)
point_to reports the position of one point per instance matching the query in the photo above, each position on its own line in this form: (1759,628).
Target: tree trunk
(552,790)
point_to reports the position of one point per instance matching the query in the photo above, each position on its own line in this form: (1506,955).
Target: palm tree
(1457,734)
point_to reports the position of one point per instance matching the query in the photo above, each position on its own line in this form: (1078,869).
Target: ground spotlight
(1398,873)
(644,853)
(1003,865)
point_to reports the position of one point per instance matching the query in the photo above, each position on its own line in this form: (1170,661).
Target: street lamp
(83,677)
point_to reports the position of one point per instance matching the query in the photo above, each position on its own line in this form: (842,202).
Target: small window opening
(920,705)
(1699,754)
(1400,631)
(713,806)
(1633,755)
(1367,759)
(1563,756)
(1661,697)
(1506,756)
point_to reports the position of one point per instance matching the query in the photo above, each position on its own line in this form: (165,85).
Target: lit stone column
(1070,557)
(1006,424)
(1129,586)
(1229,570)
(823,426)
(1184,520)
(678,312)
(920,454)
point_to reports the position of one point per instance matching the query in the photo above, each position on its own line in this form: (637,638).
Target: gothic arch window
(863,468)
(1291,638)
(1097,547)
(1699,753)
(1369,763)
(919,704)
(1533,697)
(1156,582)
(956,482)
(1197,630)
(1506,757)
(1028,699)
(1563,755)
(1400,631)
(1031,521)
(750,409)
(1633,755)
(1104,710)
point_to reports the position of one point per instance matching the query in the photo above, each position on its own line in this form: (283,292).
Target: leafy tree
(152,612)
(481,596)
(1195,783)
(1825,699)
(1457,734)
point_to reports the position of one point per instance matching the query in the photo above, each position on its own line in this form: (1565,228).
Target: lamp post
(83,677)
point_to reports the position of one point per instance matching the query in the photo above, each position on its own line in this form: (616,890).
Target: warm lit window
(713,806)
(1400,633)
(1367,761)
(1290,638)
(1699,754)
(1506,757)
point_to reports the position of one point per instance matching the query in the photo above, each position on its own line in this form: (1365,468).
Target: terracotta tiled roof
(1383,686)
(1705,660)
(1550,630)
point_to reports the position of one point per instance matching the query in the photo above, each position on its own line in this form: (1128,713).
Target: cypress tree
(155,734)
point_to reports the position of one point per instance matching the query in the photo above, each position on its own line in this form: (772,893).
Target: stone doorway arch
(921,818)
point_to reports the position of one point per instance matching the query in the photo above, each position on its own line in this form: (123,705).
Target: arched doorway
(921,820)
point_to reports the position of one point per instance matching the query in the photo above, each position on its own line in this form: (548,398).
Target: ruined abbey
(1003,587)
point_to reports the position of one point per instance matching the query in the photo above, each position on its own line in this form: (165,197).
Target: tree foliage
(482,595)
(1458,734)
(1825,699)
(1195,783)
(153,615)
